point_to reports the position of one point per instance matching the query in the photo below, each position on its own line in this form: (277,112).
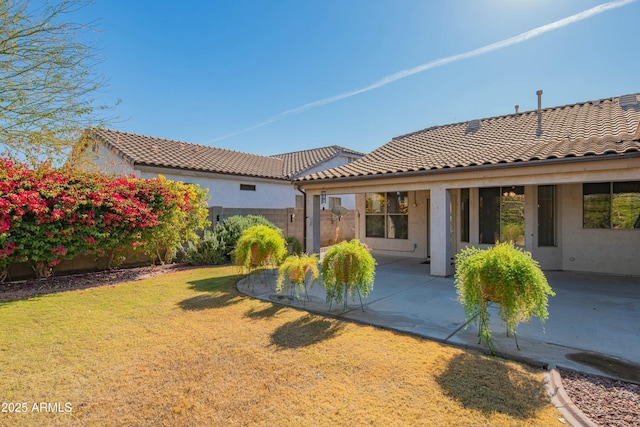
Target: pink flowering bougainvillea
(47,214)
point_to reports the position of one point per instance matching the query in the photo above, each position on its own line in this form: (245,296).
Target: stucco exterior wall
(417,243)
(577,249)
(100,158)
(224,190)
(346,200)
(331,163)
(595,250)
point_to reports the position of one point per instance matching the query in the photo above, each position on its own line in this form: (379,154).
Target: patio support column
(312,222)
(440,232)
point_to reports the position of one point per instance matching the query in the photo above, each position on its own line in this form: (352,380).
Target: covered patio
(562,183)
(592,326)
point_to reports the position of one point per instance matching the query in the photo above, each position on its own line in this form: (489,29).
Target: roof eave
(511,165)
(97,137)
(180,168)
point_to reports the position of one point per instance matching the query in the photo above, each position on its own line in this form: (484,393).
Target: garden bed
(32,287)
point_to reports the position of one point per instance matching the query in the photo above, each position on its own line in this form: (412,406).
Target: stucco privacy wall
(291,222)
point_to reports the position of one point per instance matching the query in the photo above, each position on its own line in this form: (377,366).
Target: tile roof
(593,128)
(298,162)
(151,151)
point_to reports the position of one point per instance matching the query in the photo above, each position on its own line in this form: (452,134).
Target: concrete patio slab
(593,314)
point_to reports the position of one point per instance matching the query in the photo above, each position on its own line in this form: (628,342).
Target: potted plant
(259,246)
(294,247)
(504,275)
(295,270)
(348,269)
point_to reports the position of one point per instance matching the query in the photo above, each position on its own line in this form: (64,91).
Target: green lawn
(186,348)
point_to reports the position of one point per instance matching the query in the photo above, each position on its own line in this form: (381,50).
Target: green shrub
(217,246)
(208,251)
(180,220)
(294,246)
(48,215)
(505,275)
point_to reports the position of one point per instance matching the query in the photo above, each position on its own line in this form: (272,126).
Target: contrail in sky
(527,35)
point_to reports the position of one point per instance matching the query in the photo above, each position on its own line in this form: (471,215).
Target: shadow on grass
(266,313)
(220,284)
(488,385)
(220,292)
(305,331)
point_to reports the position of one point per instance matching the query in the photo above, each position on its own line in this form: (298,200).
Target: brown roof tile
(593,128)
(298,162)
(147,150)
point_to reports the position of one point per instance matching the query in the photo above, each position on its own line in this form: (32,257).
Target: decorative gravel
(607,402)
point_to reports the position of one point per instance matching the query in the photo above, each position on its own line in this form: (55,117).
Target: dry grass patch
(186,349)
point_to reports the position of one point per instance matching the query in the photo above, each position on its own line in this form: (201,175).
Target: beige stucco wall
(415,245)
(595,250)
(577,249)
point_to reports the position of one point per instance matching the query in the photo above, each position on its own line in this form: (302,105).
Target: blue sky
(233,74)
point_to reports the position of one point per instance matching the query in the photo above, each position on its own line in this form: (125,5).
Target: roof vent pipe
(517,107)
(539,129)
(539,93)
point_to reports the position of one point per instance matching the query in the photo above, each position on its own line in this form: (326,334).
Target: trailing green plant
(348,269)
(294,246)
(258,246)
(506,275)
(298,271)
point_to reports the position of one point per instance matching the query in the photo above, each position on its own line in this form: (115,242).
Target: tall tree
(47,79)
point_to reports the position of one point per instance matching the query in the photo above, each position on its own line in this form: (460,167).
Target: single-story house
(562,183)
(235,180)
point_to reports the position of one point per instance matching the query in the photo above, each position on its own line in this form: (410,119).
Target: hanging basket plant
(504,275)
(259,246)
(297,271)
(348,269)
